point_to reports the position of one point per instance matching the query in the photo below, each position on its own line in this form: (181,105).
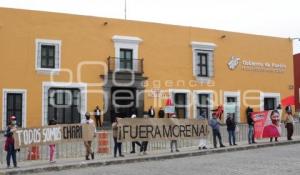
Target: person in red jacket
(10,142)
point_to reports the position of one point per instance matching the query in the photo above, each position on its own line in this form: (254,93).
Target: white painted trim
(24,105)
(126,42)
(196,93)
(47,85)
(203,45)
(188,94)
(207,48)
(57,44)
(271,95)
(237,95)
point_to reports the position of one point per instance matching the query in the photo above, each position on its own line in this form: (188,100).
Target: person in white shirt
(88,144)
(97,114)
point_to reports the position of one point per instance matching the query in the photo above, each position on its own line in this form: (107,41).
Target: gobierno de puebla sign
(154,129)
(255,66)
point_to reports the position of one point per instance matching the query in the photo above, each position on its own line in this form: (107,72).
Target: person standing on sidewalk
(97,113)
(231,125)
(203,141)
(117,145)
(161,113)
(144,143)
(174,142)
(215,125)
(135,142)
(250,122)
(10,142)
(151,112)
(88,144)
(289,124)
(52,146)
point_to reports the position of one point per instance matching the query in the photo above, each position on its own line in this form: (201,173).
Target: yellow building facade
(58,66)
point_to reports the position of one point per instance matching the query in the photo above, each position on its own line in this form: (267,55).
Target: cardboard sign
(53,134)
(149,129)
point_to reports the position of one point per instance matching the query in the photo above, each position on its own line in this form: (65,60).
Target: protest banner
(52,134)
(154,129)
(265,125)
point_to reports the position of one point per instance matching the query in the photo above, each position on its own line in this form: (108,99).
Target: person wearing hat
(10,142)
(52,146)
(174,142)
(88,144)
(215,125)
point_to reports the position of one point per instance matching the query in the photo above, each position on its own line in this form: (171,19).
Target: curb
(97,163)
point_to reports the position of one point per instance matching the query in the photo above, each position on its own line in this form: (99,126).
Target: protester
(231,125)
(174,142)
(203,141)
(215,125)
(97,114)
(144,143)
(117,145)
(289,124)
(151,112)
(10,142)
(88,144)
(135,142)
(161,113)
(273,128)
(250,122)
(52,146)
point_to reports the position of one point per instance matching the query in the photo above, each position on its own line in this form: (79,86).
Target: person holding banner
(135,142)
(88,144)
(174,142)
(10,142)
(118,145)
(272,129)
(203,141)
(52,146)
(215,125)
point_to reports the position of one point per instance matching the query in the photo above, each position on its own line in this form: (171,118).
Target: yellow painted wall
(166,51)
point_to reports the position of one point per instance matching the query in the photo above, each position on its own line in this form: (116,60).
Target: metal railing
(74,150)
(125,65)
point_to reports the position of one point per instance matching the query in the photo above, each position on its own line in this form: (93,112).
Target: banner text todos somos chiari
(149,129)
(53,134)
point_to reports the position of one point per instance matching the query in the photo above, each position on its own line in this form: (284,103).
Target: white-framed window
(269,100)
(203,104)
(181,101)
(64,102)
(47,56)
(203,60)
(232,105)
(14,103)
(126,52)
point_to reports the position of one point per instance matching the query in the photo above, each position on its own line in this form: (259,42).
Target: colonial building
(58,66)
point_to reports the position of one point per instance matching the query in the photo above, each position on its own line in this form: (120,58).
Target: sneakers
(132,152)
(87,158)
(177,150)
(122,155)
(222,146)
(52,161)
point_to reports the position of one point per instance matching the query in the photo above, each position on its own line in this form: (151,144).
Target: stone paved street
(273,160)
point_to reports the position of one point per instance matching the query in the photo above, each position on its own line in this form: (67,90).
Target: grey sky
(266,17)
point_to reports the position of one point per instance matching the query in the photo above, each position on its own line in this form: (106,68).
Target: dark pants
(133,145)
(11,152)
(216,133)
(231,137)
(118,146)
(98,121)
(144,146)
(290,130)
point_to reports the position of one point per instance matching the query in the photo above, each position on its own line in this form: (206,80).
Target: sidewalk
(64,164)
